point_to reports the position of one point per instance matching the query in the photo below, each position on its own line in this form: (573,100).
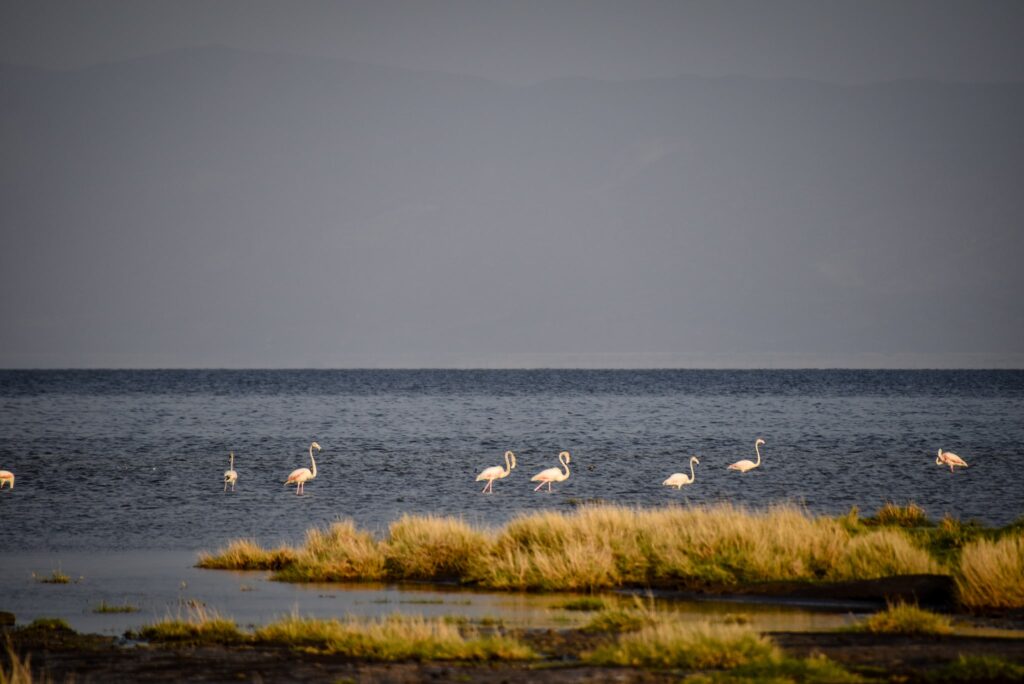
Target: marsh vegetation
(605,546)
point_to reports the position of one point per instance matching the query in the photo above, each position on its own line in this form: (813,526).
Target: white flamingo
(746,464)
(950,459)
(546,477)
(497,472)
(677,480)
(230,475)
(6,477)
(300,476)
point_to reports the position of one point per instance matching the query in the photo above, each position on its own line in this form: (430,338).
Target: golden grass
(105,607)
(386,639)
(673,644)
(340,553)
(20,671)
(905,618)
(991,573)
(392,638)
(893,514)
(599,547)
(246,554)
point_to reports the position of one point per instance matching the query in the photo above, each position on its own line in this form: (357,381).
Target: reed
(20,669)
(905,618)
(991,573)
(105,607)
(199,626)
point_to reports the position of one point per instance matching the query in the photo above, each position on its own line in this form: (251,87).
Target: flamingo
(553,474)
(677,480)
(746,464)
(6,477)
(496,472)
(950,459)
(230,475)
(299,476)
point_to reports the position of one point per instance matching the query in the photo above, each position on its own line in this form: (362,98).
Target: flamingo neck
(232,466)
(692,474)
(509,465)
(313,461)
(565,465)
(758,450)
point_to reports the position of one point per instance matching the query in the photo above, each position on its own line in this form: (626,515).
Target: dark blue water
(134,459)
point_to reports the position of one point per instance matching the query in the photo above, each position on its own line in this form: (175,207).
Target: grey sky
(219,184)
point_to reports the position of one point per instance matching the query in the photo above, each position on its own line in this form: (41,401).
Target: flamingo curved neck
(758,450)
(311,460)
(509,464)
(565,464)
(692,474)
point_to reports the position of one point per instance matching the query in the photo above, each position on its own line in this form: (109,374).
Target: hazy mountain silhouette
(218,207)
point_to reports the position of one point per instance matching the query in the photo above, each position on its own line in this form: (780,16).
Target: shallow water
(124,460)
(163,584)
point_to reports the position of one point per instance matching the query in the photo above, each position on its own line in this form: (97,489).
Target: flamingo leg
(538,486)
(549,486)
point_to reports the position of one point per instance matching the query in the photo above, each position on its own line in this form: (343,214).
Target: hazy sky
(241,183)
(525,41)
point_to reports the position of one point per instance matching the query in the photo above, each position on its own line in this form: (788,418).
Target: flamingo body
(300,476)
(677,480)
(497,472)
(746,464)
(6,477)
(949,458)
(230,475)
(546,477)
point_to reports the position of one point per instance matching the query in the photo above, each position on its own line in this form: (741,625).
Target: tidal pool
(163,584)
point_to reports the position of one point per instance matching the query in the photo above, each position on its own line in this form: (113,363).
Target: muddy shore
(66,655)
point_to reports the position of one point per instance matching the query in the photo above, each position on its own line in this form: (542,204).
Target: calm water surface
(133,460)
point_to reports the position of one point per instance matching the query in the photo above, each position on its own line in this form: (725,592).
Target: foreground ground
(62,655)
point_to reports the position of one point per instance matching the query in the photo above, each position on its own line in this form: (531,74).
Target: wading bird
(230,475)
(546,477)
(746,464)
(6,477)
(300,476)
(677,480)
(950,459)
(496,472)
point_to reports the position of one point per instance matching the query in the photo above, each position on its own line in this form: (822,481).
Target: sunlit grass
(599,547)
(55,577)
(386,639)
(19,670)
(392,638)
(991,573)
(246,554)
(673,644)
(985,668)
(904,618)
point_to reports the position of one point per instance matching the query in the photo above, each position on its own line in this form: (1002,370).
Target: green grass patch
(50,625)
(105,607)
(246,554)
(586,604)
(815,669)
(904,618)
(894,515)
(55,577)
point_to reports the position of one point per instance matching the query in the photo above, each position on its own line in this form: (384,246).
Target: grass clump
(55,577)
(905,618)
(199,627)
(894,515)
(340,553)
(20,670)
(105,607)
(392,638)
(672,644)
(246,554)
(991,573)
(816,668)
(882,553)
(586,604)
(433,547)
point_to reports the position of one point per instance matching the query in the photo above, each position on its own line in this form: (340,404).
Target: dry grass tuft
(341,553)
(20,671)
(892,514)
(246,554)
(673,644)
(905,618)
(991,573)
(432,547)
